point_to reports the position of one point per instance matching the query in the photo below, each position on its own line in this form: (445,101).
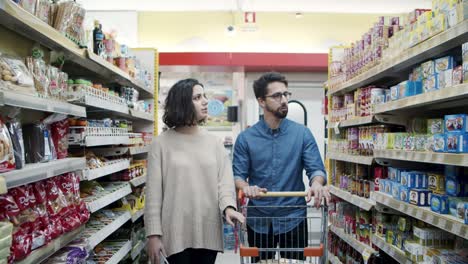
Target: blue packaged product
(456,123)
(388,187)
(457,206)
(439,203)
(382,185)
(416,87)
(395,92)
(439,143)
(404,179)
(428,69)
(393,173)
(405,89)
(419,197)
(456,186)
(421,180)
(404,194)
(431,83)
(456,142)
(396,190)
(443,64)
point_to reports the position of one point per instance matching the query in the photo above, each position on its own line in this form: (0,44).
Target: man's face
(274,101)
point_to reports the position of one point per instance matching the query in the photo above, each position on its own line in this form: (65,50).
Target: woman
(190,185)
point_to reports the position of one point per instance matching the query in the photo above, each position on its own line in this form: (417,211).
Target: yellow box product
(438,24)
(462,10)
(424,18)
(426,30)
(436,183)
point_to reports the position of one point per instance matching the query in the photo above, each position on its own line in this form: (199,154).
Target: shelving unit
(418,54)
(94,204)
(96,237)
(391,250)
(137,215)
(426,157)
(333,259)
(39,171)
(139,150)
(108,169)
(41,254)
(138,249)
(138,181)
(365,250)
(358,121)
(364,160)
(126,247)
(363,203)
(444,222)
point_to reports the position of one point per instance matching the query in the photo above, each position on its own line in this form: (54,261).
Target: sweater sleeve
(226,189)
(154,192)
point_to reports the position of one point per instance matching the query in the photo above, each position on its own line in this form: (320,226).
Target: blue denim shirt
(275,159)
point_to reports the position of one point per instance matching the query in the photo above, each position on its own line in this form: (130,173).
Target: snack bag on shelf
(15,76)
(38,69)
(28,5)
(59,132)
(39,146)
(56,203)
(43,9)
(69,21)
(16,135)
(21,246)
(7,155)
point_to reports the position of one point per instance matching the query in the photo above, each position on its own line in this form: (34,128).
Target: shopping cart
(300,245)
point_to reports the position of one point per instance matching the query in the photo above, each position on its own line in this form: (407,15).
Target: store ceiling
(303,6)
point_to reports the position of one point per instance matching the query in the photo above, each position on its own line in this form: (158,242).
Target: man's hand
(253,191)
(318,191)
(232,216)
(155,248)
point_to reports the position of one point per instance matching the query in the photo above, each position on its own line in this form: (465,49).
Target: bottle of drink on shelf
(98,39)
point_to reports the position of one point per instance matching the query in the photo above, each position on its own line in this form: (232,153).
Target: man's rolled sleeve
(241,159)
(311,157)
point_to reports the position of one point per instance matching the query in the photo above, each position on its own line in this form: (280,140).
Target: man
(271,156)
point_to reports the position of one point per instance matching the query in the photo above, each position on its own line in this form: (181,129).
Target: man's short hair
(260,85)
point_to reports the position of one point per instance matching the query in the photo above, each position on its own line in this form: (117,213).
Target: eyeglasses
(279,96)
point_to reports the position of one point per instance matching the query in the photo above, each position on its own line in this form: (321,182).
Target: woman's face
(200,103)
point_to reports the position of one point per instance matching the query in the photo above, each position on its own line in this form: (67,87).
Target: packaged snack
(53,74)
(10,208)
(59,131)
(38,144)
(56,203)
(443,64)
(445,79)
(394,174)
(75,252)
(43,9)
(395,93)
(405,89)
(419,197)
(435,126)
(422,181)
(457,77)
(431,83)
(456,123)
(457,206)
(16,135)
(7,153)
(439,203)
(28,5)
(22,244)
(15,75)
(428,69)
(69,21)
(404,179)
(439,143)
(436,183)
(404,194)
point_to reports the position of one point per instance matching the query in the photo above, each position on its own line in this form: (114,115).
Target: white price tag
(419,214)
(337,128)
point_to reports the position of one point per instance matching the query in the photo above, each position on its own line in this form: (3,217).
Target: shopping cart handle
(276,194)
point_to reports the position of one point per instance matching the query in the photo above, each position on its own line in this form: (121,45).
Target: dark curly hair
(179,109)
(260,85)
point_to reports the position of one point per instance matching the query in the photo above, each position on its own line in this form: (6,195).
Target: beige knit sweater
(189,185)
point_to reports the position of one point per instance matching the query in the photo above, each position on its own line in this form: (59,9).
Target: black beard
(278,113)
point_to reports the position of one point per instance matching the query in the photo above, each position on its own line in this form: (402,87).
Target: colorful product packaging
(456,123)
(439,203)
(443,64)
(457,142)
(419,197)
(436,183)
(435,126)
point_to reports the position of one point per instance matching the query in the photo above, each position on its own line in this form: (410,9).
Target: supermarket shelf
(445,222)
(138,181)
(31,27)
(101,202)
(359,121)
(391,250)
(142,115)
(40,104)
(425,157)
(365,250)
(93,141)
(40,171)
(333,259)
(42,254)
(120,255)
(95,102)
(426,100)
(426,50)
(138,249)
(362,203)
(137,215)
(364,160)
(114,167)
(139,150)
(105,232)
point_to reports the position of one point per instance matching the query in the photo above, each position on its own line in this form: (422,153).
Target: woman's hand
(155,247)
(232,216)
